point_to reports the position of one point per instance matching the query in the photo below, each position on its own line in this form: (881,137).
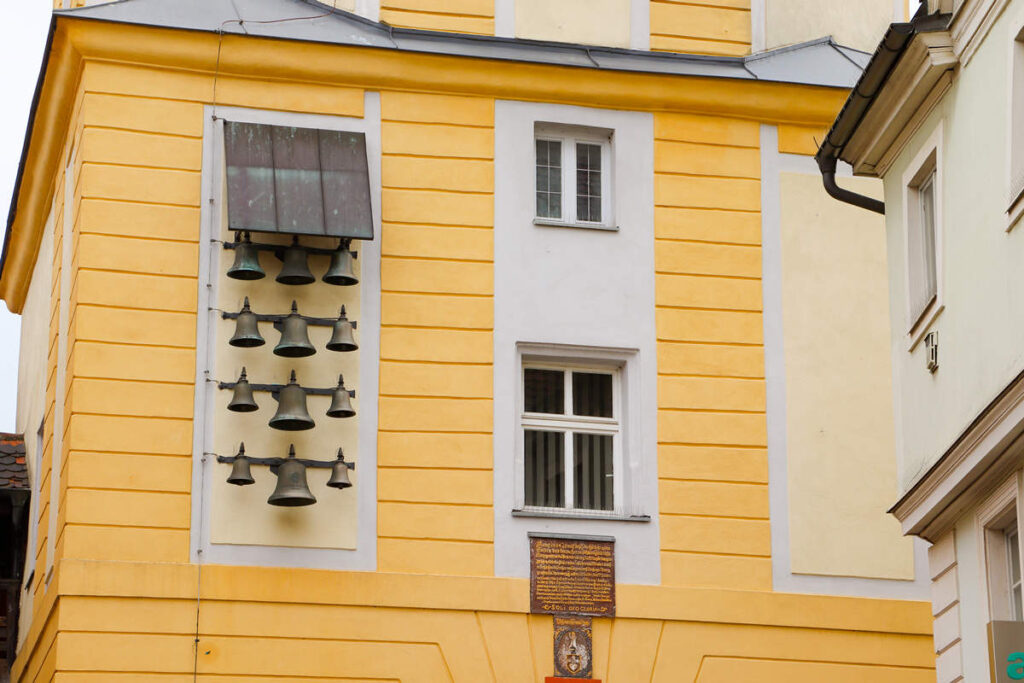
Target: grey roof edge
(270,19)
(873,80)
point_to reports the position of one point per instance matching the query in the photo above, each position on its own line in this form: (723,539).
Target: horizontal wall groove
(702,5)
(698,342)
(703,143)
(434,539)
(433,431)
(115,164)
(758,484)
(119,129)
(418,293)
(435,259)
(90,525)
(714,176)
(122,235)
(104,489)
(712,444)
(128,416)
(672,307)
(691,240)
(446,124)
(113,307)
(750,278)
(136,272)
(427,224)
(100,197)
(434,13)
(713,411)
(715,554)
(426,397)
(130,344)
(711,208)
(430,157)
(435,190)
(450,328)
(705,39)
(437,362)
(729,517)
(439,502)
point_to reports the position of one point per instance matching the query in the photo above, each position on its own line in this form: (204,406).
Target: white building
(939,116)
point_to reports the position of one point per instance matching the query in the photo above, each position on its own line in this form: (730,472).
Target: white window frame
(1015,128)
(569,136)
(570,424)
(995,517)
(925,164)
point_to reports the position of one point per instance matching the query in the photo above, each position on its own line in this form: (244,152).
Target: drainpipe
(870,83)
(827,166)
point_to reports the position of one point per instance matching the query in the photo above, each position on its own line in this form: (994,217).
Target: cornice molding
(984,454)
(916,85)
(199,55)
(972,24)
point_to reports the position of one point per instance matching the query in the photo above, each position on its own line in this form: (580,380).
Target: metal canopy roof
(819,62)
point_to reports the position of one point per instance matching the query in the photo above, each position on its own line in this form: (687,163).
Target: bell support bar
(275,389)
(279,319)
(278,249)
(274,462)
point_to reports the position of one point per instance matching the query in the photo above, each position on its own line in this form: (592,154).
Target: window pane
(592,472)
(549,179)
(923,281)
(592,394)
(544,455)
(588,182)
(544,391)
(1013,564)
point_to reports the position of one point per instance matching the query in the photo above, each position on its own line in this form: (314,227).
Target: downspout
(869,85)
(827,166)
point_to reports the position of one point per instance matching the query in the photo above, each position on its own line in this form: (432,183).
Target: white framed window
(1015,150)
(571,434)
(997,520)
(573,176)
(922,214)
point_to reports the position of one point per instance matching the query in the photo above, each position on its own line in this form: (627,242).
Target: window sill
(580,514)
(1016,210)
(550,223)
(924,323)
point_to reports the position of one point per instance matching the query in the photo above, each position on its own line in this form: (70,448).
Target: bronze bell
(291,415)
(342,339)
(339,473)
(247,331)
(292,489)
(242,400)
(240,474)
(294,337)
(340,271)
(295,270)
(341,405)
(247,261)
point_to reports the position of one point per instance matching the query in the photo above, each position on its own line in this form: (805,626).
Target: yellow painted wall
(712,461)
(461,16)
(129,597)
(714,27)
(840,443)
(590,22)
(859,24)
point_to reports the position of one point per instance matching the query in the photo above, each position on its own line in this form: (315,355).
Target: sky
(22,38)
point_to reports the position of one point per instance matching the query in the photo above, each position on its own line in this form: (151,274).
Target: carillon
(292,489)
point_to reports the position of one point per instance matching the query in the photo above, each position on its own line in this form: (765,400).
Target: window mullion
(569,180)
(569,472)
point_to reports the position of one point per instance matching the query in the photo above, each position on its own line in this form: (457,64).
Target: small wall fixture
(292,488)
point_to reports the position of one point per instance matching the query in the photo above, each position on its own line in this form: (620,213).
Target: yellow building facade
(749,528)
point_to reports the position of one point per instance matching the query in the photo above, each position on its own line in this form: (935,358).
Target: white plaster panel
(615,23)
(569,286)
(949,666)
(234,525)
(945,592)
(942,555)
(859,24)
(947,629)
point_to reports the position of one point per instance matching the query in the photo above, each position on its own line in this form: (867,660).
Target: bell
(242,400)
(240,474)
(247,261)
(295,270)
(340,271)
(294,337)
(247,331)
(292,489)
(342,339)
(341,405)
(291,415)
(339,473)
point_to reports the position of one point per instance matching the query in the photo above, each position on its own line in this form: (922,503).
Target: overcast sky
(22,37)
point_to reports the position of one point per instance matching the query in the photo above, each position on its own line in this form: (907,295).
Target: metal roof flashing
(818,62)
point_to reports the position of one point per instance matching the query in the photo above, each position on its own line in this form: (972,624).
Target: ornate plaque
(572,575)
(573,647)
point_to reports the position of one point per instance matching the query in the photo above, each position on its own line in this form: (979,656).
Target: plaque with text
(572,576)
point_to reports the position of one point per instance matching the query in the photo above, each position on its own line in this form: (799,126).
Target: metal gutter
(13,210)
(876,74)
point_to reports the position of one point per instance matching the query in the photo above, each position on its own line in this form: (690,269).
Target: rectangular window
(923,281)
(303,181)
(573,185)
(1012,540)
(571,429)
